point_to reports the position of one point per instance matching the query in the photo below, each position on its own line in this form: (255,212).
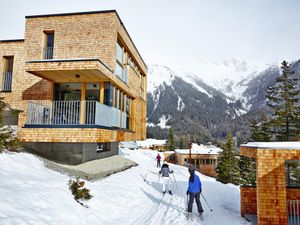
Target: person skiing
(194,191)
(158,160)
(164,172)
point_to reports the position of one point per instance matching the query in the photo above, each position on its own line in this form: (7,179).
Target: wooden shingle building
(80,83)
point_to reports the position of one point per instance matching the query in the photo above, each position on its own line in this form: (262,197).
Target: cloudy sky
(181,31)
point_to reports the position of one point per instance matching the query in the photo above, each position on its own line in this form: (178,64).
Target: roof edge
(13,40)
(72,13)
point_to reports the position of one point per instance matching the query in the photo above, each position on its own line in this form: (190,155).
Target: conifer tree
(8,139)
(283,99)
(228,162)
(181,142)
(171,144)
(260,130)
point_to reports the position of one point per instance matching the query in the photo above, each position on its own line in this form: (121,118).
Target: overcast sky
(181,31)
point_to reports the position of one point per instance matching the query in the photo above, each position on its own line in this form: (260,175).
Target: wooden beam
(101,92)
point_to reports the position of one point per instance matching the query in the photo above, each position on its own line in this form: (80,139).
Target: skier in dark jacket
(158,160)
(165,173)
(194,191)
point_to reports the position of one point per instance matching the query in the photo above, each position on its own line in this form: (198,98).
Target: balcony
(75,70)
(69,70)
(50,114)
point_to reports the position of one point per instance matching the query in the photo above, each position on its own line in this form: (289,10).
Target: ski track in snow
(33,194)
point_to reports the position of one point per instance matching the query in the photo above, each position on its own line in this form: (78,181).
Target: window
(49,44)
(8,71)
(122,59)
(92,92)
(142,89)
(207,161)
(121,101)
(108,94)
(119,54)
(103,147)
(128,100)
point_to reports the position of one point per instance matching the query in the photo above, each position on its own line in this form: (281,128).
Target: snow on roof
(149,142)
(274,145)
(200,149)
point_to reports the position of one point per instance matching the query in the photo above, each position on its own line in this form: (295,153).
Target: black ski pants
(191,201)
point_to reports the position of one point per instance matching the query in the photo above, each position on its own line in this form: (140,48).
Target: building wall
(271,193)
(248,200)
(249,203)
(206,169)
(76,36)
(71,153)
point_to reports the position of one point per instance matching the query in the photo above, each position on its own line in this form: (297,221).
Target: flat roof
(91,12)
(12,40)
(72,13)
(273,145)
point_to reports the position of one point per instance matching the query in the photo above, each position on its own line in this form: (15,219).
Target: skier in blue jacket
(194,191)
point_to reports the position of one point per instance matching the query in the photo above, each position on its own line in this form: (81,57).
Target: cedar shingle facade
(80,82)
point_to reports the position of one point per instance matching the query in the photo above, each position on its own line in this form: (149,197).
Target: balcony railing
(48,53)
(294,212)
(68,113)
(7,81)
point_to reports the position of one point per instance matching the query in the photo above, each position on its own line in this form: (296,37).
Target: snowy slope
(33,194)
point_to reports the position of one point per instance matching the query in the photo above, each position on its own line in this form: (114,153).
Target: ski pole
(187,202)
(175,180)
(206,202)
(145,176)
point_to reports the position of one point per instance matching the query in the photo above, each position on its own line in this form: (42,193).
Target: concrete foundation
(72,153)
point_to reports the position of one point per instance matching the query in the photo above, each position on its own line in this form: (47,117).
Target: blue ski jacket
(196,186)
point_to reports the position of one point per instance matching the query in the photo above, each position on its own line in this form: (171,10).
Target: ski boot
(201,216)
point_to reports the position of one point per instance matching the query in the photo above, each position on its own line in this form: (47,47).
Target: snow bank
(33,194)
(274,145)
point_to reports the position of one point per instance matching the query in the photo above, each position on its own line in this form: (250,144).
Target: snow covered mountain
(207,98)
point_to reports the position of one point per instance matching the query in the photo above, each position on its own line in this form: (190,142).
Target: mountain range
(205,101)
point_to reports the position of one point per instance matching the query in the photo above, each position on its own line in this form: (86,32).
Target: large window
(108,94)
(128,100)
(121,64)
(92,92)
(49,44)
(8,71)
(67,91)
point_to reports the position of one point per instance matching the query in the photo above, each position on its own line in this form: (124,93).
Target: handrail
(7,81)
(48,53)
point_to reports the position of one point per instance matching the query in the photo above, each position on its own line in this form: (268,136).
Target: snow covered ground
(33,194)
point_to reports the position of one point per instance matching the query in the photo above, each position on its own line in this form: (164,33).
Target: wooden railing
(294,212)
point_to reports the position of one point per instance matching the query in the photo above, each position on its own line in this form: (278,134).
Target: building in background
(80,83)
(203,157)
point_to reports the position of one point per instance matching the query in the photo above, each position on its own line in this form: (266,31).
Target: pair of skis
(189,216)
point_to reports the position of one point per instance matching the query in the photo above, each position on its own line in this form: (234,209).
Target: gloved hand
(187,192)
(171,171)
